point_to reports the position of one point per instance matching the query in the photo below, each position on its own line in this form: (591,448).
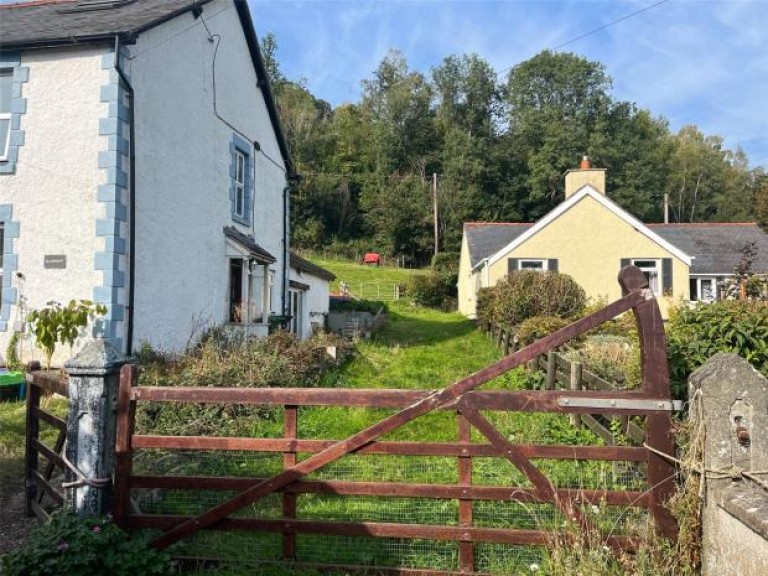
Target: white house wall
(316,301)
(48,196)
(182,167)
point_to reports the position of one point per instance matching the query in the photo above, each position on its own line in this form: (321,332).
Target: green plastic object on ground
(12,382)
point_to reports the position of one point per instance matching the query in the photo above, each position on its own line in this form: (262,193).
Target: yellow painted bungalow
(590,238)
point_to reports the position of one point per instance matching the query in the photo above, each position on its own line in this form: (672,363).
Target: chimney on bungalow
(584,175)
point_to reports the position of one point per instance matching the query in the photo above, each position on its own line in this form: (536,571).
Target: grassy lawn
(369,276)
(12,424)
(12,442)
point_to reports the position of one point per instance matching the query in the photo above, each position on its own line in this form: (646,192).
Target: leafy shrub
(434,290)
(446,262)
(57,324)
(528,293)
(84,547)
(372,306)
(277,361)
(613,358)
(696,334)
(12,360)
(537,327)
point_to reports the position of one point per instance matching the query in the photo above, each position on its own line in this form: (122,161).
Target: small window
(532,265)
(650,269)
(6,92)
(239,184)
(703,290)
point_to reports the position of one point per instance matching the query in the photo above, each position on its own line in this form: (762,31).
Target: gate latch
(631,404)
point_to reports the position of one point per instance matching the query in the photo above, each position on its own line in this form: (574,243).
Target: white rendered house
(142,166)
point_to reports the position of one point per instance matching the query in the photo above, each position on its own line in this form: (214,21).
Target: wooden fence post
(32,435)
(466,548)
(551,370)
(505,343)
(290,429)
(126,410)
(575,384)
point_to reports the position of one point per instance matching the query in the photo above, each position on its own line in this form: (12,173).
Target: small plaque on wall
(55,261)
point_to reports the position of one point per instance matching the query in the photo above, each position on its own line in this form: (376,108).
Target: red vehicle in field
(373,258)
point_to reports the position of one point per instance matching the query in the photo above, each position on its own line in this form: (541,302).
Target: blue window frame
(241,180)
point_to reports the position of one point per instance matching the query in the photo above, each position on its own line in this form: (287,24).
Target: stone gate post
(94,375)
(730,397)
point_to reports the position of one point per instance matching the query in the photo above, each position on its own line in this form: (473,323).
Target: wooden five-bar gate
(303,457)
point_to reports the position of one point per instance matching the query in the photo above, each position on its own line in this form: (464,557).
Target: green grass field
(369,282)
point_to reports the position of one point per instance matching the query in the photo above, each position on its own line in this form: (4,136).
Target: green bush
(372,306)
(446,262)
(537,327)
(484,309)
(434,290)
(57,324)
(528,293)
(218,361)
(84,547)
(695,334)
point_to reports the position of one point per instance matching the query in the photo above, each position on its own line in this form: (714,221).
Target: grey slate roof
(249,244)
(716,248)
(487,238)
(74,21)
(311,268)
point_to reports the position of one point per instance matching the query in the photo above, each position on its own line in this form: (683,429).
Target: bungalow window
(532,265)
(703,289)
(650,269)
(540,264)
(6,77)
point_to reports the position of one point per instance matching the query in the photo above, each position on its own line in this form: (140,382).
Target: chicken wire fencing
(251,547)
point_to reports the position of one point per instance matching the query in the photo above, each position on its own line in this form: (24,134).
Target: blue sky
(702,62)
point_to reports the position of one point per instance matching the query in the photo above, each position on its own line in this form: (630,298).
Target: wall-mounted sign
(55,261)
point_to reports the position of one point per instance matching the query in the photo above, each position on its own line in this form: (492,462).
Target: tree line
(499,147)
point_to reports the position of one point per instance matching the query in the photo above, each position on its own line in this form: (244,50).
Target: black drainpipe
(131,196)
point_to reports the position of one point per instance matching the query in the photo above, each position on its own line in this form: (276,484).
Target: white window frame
(2,259)
(5,147)
(699,292)
(536,261)
(239,200)
(652,273)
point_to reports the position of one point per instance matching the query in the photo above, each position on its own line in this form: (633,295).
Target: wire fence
(240,549)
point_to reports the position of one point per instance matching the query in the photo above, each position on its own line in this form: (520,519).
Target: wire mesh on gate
(513,513)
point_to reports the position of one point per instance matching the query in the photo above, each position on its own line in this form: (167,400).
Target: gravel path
(14,524)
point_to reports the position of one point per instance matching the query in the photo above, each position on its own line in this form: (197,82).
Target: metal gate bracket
(619,403)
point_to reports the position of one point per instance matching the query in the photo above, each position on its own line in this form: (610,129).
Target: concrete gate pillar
(94,375)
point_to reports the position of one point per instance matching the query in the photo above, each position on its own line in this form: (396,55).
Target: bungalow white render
(142,166)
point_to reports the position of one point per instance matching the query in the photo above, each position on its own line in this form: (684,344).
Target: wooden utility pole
(434,209)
